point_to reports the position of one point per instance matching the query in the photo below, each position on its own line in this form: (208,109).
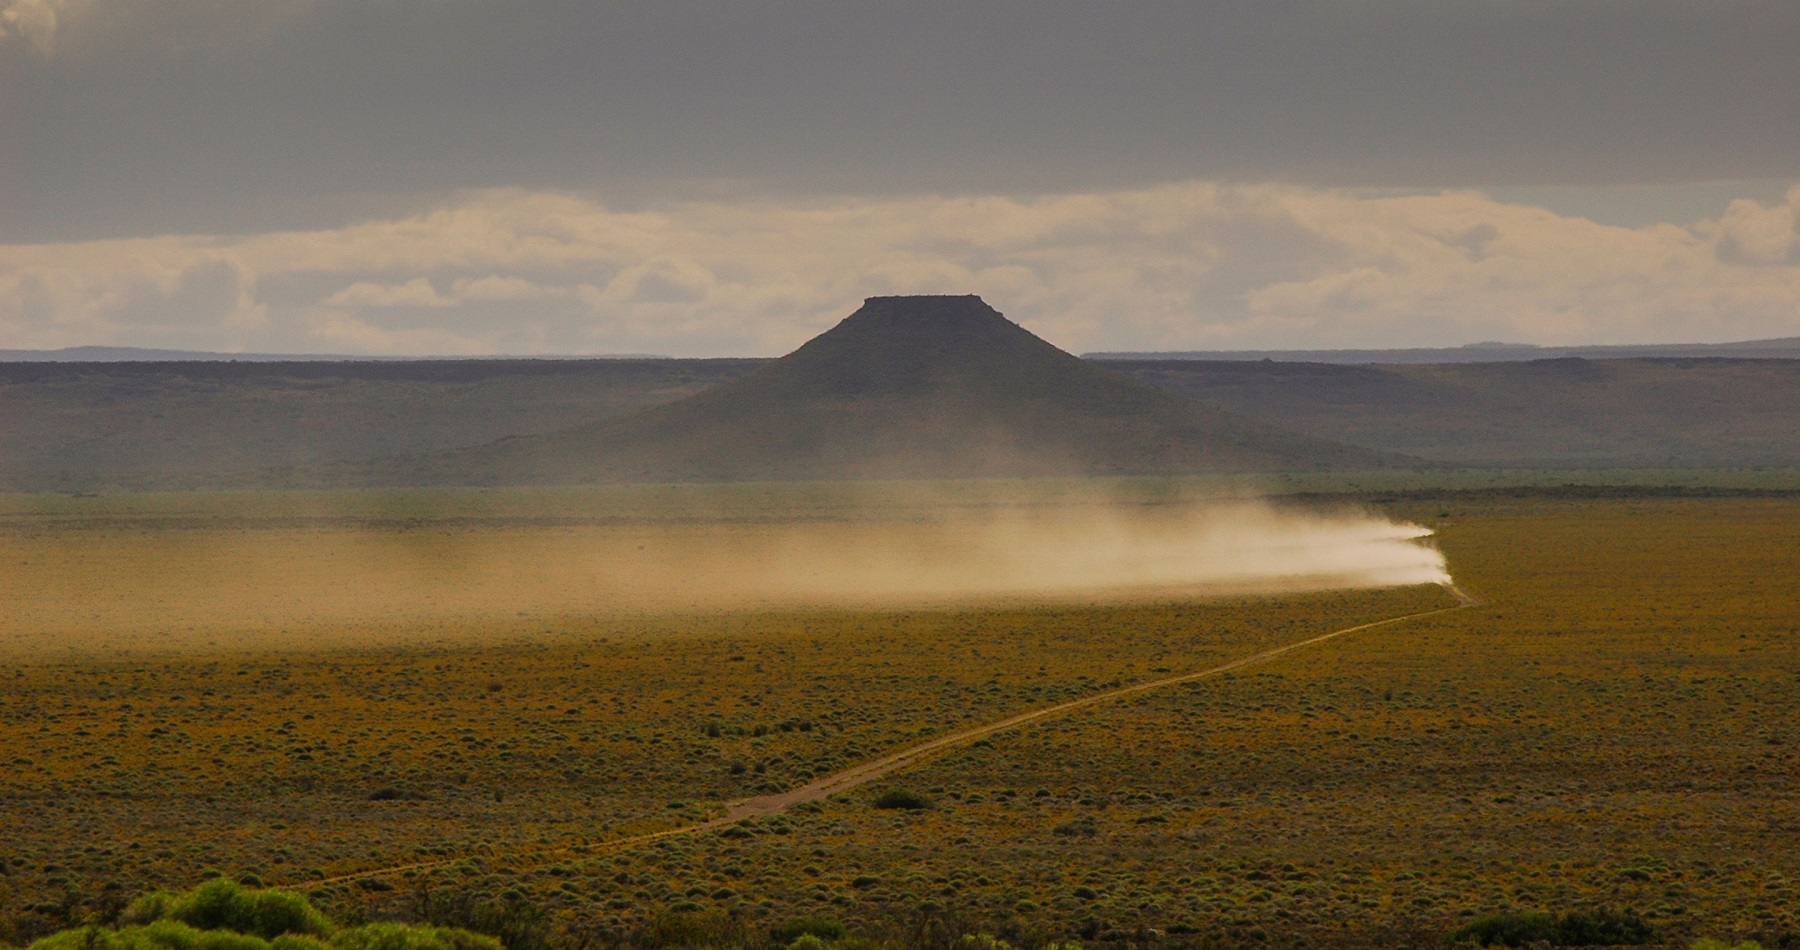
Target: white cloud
(1192,265)
(91,28)
(1751,233)
(35,21)
(495,287)
(417,292)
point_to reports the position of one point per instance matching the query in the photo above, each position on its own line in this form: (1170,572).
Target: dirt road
(775,804)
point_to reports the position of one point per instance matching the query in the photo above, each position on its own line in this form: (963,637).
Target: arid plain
(1612,728)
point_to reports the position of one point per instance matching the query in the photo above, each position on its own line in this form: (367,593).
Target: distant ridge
(1555,413)
(905,387)
(138,354)
(1782,348)
(70,426)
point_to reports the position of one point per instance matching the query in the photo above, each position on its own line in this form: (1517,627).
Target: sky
(721,178)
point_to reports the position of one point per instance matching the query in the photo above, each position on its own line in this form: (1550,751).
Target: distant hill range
(905,387)
(94,426)
(958,390)
(138,354)
(1559,413)
(1784,348)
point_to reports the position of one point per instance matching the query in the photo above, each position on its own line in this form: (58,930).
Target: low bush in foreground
(823,928)
(225,915)
(901,798)
(221,904)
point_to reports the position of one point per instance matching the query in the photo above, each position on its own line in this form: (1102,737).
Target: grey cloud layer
(1192,265)
(158,116)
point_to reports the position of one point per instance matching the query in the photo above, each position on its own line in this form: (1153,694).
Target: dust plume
(1055,552)
(255,573)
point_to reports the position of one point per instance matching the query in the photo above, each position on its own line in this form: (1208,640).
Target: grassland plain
(1615,727)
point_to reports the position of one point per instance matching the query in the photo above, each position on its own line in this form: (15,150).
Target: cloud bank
(33,21)
(1188,265)
(140,117)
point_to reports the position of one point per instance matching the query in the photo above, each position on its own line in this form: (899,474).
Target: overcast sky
(723,178)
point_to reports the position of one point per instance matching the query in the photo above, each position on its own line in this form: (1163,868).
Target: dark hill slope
(100,426)
(1784,348)
(906,387)
(95,426)
(1653,413)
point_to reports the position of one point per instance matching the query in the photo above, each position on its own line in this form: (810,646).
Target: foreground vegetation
(224,915)
(1613,733)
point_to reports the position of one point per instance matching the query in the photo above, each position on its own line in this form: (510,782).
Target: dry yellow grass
(1616,726)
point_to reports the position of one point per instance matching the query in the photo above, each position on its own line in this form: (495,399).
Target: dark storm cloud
(141,117)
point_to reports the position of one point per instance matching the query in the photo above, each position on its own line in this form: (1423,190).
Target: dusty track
(779,802)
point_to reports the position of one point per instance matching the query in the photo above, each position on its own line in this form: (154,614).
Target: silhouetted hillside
(92,426)
(876,396)
(1653,413)
(906,387)
(1786,348)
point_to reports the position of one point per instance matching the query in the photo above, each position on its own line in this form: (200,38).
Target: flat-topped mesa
(903,343)
(924,301)
(925,298)
(925,315)
(936,386)
(927,305)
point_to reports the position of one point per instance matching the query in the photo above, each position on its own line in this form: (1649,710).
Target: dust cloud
(1056,553)
(234,582)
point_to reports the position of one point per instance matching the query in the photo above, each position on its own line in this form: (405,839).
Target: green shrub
(160,935)
(222,914)
(901,798)
(694,929)
(174,935)
(1507,930)
(298,942)
(1602,928)
(1709,944)
(152,906)
(516,924)
(824,928)
(411,937)
(223,904)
